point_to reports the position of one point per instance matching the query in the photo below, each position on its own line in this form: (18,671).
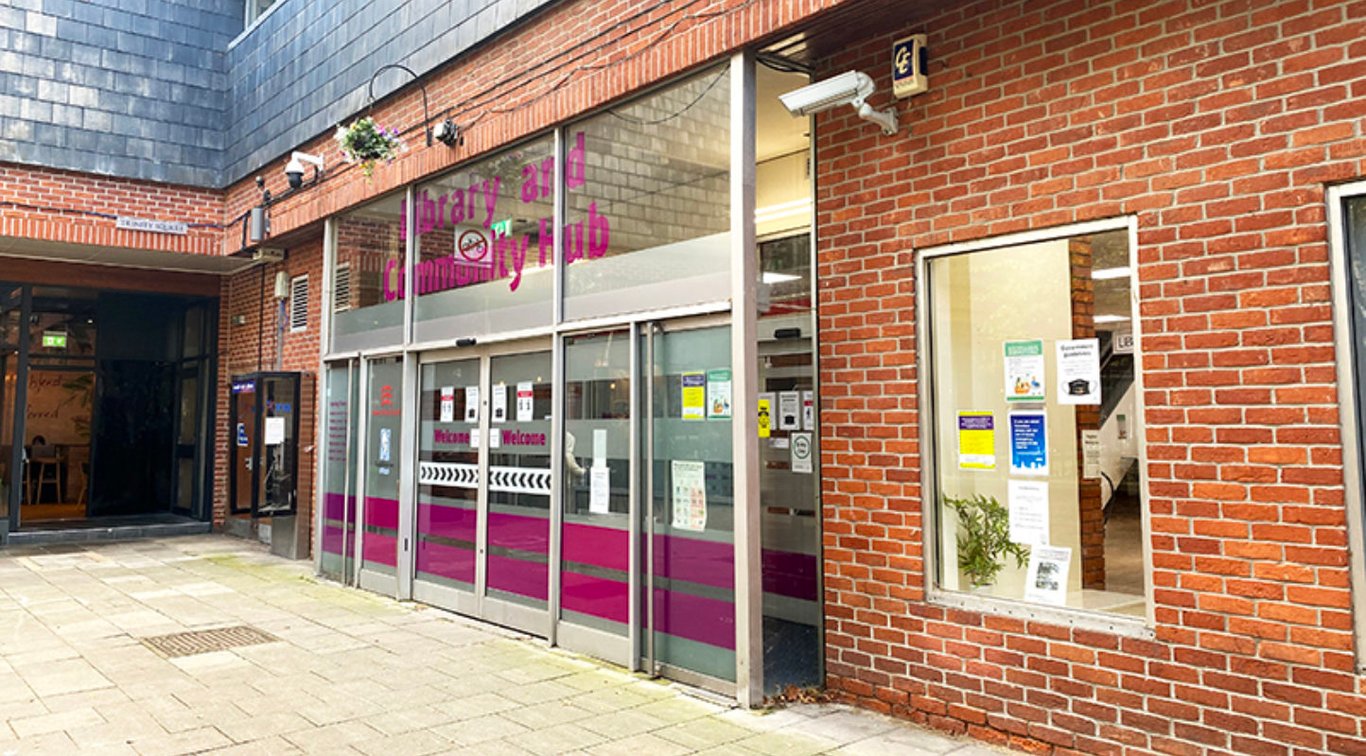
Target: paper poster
(600,489)
(475,435)
(1024,371)
(599,447)
(694,395)
(778,442)
(802,451)
(1046,581)
(1027,501)
(1028,443)
(808,410)
(385,448)
(499,400)
(689,495)
(526,401)
(471,404)
(765,404)
(976,441)
(447,404)
(718,393)
(789,410)
(275,431)
(1079,371)
(1090,454)
(495,438)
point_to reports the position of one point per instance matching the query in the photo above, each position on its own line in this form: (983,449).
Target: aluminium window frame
(1139,627)
(1348,403)
(738,304)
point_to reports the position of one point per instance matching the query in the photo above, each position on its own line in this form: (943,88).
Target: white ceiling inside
(777,133)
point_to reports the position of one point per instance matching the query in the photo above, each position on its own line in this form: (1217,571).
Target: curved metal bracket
(426,114)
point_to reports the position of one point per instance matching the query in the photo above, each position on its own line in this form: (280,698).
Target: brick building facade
(1211,136)
(1218,128)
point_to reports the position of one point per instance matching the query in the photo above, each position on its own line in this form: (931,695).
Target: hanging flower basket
(366,142)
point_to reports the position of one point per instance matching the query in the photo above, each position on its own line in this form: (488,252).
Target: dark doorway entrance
(110,415)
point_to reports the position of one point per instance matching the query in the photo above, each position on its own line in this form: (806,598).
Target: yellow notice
(976,441)
(765,414)
(695,395)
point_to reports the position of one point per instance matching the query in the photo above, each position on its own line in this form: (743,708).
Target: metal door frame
(648,663)
(479,604)
(368,579)
(349,564)
(621,650)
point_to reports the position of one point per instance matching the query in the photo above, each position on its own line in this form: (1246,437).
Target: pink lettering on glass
(491,251)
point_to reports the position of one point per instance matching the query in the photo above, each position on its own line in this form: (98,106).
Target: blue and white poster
(1028,443)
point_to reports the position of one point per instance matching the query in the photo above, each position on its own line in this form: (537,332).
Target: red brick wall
(76,208)
(254,346)
(1217,126)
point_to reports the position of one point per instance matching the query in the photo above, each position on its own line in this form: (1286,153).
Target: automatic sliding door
(595,567)
(517,584)
(448,485)
(690,564)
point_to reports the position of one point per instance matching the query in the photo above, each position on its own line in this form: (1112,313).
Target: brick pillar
(1090,513)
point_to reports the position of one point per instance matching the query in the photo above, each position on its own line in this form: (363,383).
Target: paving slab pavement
(349,672)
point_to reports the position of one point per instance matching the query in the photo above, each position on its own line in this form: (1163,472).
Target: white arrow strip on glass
(451,474)
(527,480)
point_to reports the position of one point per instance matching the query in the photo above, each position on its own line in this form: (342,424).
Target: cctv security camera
(849,88)
(294,170)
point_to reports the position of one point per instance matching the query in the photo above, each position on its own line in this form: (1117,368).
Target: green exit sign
(502,227)
(54,340)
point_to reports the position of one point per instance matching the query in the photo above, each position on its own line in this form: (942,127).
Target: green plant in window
(984,538)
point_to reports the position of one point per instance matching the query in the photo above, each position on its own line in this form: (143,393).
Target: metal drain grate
(205,641)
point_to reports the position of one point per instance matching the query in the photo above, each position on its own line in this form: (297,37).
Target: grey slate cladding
(157,89)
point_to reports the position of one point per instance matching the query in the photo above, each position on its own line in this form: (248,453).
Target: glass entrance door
(688,623)
(448,476)
(382,448)
(12,460)
(243,476)
(484,484)
(599,478)
(341,420)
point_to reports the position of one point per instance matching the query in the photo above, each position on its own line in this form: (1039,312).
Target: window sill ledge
(1080,619)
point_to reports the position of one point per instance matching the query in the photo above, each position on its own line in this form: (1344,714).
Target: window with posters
(1037,483)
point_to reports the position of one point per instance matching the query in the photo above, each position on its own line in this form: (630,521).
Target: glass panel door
(11,451)
(243,475)
(689,620)
(338,537)
(379,544)
(518,483)
(483,497)
(186,446)
(595,545)
(448,485)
